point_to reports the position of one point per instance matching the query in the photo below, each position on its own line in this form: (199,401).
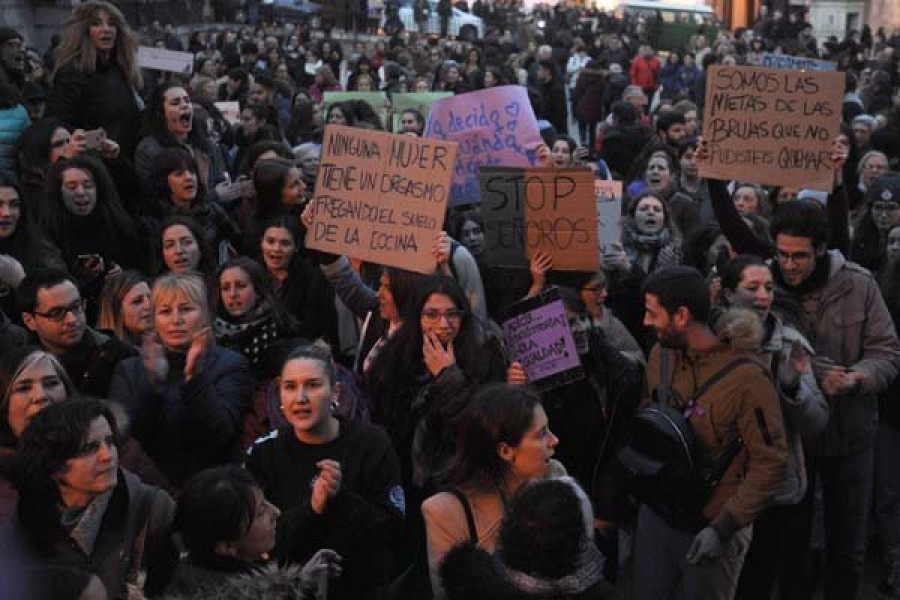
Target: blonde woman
(96,77)
(185,395)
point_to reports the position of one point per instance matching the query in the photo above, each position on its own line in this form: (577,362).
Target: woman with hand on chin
(354,503)
(185,395)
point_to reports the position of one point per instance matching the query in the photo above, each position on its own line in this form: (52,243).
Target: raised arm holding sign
(381,197)
(772,126)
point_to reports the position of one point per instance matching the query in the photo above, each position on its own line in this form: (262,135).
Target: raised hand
(437,358)
(154,358)
(199,344)
(326,486)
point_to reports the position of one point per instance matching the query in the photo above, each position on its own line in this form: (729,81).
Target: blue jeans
(847,492)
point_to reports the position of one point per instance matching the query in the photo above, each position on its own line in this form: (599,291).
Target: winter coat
(670,78)
(851,326)
(104,99)
(13,121)
(743,404)
(622,145)
(91,363)
(588,96)
(212,165)
(553,104)
(187,426)
(804,408)
(135,527)
(645,72)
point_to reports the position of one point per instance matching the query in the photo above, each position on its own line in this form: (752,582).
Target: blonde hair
(76,46)
(186,285)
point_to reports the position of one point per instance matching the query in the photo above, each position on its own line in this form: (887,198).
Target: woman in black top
(353,503)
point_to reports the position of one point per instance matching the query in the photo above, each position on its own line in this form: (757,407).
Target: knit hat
(885,188)
(8,33)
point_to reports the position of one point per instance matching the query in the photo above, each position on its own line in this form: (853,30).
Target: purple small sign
(541,340)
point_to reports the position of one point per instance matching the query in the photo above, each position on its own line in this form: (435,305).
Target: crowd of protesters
(193,404)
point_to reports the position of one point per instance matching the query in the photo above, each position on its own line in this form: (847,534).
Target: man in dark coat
(553,95)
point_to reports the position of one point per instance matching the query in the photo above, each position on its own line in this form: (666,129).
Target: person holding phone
(85,219)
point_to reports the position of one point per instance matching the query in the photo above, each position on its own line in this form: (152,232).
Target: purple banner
(493,127)
(540,339)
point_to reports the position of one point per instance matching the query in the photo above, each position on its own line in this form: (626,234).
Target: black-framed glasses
(434,315)
(794,257)
(58,314)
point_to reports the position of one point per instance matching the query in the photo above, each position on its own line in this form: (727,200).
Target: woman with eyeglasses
(353,502)
(421,379)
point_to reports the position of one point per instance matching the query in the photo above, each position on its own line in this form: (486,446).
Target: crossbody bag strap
(470,518)
(718,375)
(664,389)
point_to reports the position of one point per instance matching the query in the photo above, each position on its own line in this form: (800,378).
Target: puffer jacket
(743,404)
(804,408)
(853,328)
(13,122)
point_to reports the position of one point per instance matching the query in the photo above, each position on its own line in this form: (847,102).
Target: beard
(672,339)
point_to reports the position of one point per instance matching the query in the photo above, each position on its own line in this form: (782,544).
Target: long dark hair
(401,363)
(207,266)
(155,121)
(28,244)
(57,219)
(173,160)
(34,147)
(269,178)
(262,285)
(498,413)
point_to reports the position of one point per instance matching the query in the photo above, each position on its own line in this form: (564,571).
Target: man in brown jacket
(742,404)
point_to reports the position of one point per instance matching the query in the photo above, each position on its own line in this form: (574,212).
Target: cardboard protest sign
(230,110)
(540,209)
(609,210)
(493,127)
(796,63)
(538,336)
(381,197)
(421,102)
(160,59)
(772,126)
(377,100)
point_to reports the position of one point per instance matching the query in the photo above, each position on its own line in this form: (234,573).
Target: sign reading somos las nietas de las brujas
(381,197)
(772,126)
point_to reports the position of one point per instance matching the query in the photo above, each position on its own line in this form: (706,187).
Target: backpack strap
(664,389)
(470,518)
(721,373)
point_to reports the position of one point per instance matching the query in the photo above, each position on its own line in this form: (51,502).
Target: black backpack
(664,465)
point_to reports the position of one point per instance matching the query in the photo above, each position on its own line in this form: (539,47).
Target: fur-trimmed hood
(740,328)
